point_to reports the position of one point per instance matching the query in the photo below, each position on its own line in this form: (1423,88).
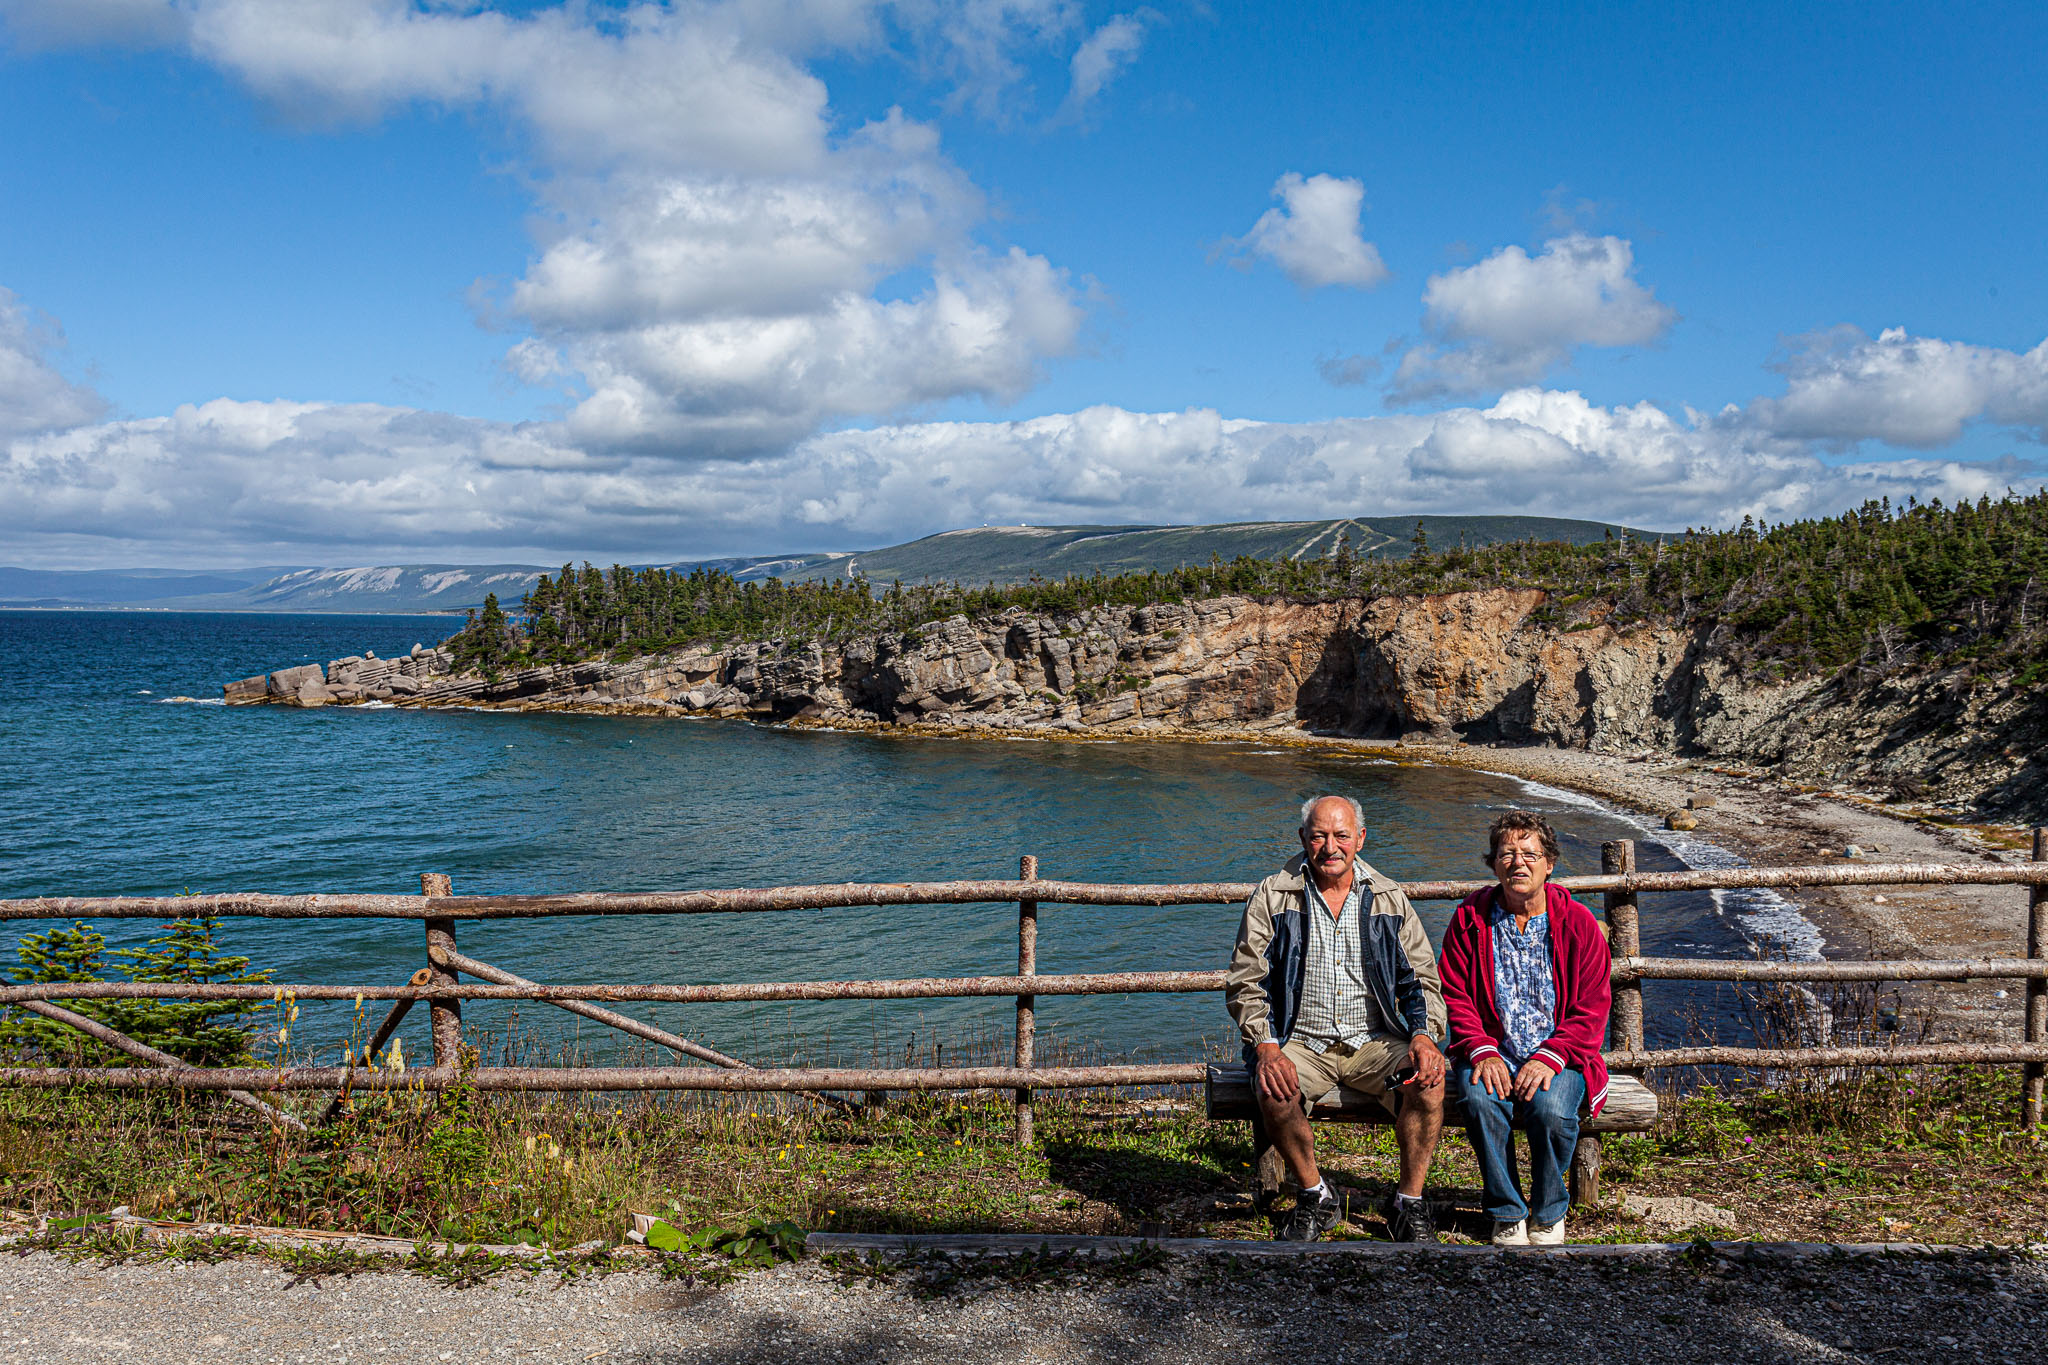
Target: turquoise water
(109,788)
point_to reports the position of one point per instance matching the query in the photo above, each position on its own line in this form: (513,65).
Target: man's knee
(1424,1104)
(1279,1113)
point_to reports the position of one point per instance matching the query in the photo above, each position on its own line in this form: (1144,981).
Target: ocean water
(109,786)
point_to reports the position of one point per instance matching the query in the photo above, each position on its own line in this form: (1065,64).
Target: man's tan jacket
(1263,987)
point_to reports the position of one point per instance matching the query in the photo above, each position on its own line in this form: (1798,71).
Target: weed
(311,1265)
(1700,1254)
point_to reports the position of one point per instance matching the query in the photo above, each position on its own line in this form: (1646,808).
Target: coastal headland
(1487,667)
(1648,717)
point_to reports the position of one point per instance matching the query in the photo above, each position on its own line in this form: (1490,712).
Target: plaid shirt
(1336,1001)
(1524,991)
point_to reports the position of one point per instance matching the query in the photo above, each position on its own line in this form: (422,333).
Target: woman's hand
(1533,1076)
(1491,1072)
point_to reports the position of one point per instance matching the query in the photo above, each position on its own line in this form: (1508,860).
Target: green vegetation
(1015,554)
(203,1032)
(1869,1155)
(1894,1156)
(1873,1155)
(1877,589)
(717,1256)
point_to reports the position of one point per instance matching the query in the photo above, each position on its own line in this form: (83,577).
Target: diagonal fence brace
(121,1042)
(392,1020)
(498,976)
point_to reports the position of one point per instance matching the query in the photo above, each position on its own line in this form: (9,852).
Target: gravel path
(1534,1308)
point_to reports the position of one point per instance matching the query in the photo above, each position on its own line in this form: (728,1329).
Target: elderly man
(1334,983)
(1525,974)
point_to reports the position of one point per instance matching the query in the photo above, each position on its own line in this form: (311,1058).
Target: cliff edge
(1485,667)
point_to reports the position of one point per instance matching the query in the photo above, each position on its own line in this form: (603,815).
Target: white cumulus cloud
(360,483)
(721,268)
(976,44)
(722,386)
(1314,234)
(1101,58)
(1513,318)
(33,395)
(1842,387)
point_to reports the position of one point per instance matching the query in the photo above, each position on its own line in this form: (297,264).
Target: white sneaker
(1547,1234)
(1515,1234)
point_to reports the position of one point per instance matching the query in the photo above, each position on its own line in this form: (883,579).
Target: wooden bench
(1631,1108)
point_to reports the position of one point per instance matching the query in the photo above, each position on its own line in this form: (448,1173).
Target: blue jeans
(1552,1123)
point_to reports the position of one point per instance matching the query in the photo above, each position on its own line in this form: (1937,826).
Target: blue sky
(354,280)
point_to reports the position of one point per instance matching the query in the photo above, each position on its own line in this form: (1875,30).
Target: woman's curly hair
(1520,822)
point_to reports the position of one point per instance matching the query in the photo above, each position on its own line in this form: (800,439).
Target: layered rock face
(358,678)
(1482,667)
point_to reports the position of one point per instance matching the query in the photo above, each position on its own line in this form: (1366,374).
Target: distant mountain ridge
(1011,554)
(984,554)
(392,589)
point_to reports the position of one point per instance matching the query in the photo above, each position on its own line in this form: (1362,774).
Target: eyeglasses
(1516,855)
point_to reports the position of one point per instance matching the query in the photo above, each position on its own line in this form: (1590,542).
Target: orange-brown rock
(1497,666)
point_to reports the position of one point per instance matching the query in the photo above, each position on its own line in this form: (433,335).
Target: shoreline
(1759,819)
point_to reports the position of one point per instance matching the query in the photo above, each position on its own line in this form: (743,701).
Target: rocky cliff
(1482,667)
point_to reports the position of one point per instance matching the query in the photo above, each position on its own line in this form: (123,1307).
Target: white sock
(1316,1191)
(1408,1198)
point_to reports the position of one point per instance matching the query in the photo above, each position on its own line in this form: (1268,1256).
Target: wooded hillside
(1879,589)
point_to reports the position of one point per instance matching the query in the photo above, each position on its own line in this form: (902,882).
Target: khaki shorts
(1364,1068)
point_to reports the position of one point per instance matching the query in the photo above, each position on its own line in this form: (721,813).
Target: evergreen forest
(1878,589)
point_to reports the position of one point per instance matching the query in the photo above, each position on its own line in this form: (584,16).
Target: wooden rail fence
(440,983)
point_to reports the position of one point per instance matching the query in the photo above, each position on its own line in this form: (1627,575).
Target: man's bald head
(1332,833)
(1345,804)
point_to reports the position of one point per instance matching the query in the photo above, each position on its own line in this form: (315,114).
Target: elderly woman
(1525,981)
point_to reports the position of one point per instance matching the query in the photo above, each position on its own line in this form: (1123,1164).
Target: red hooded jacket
(1579,965)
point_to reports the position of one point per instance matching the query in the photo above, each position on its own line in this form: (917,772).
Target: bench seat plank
(1631,1106)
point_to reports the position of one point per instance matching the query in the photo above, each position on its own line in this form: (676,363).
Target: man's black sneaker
(1309,1220)
(1410,1220)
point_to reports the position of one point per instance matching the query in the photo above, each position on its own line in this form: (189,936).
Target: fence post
(447,1014)
(1624,939)
(2037,988)
(1027,1005)
(1625,1019)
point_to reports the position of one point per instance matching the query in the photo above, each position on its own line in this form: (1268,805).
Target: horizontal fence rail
(439,983)
(1630,969)
(1774,1058)
(921,988)
(548,1078)
(1625,970)
(1047,892)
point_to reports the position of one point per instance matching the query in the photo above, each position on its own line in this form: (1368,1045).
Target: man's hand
(1491,1072)
(1278,1079)
(1428,1060)
(1533,1076)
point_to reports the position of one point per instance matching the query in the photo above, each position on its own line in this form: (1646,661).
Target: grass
(1934,1156)
(1870,1156)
